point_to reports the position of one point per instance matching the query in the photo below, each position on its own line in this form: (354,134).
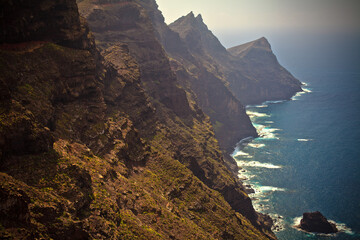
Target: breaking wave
(256,164)
(340,226)
(297,95)
(242,154)
(253,115)
(274,102)
(266,132)
(304,140)
(256,145)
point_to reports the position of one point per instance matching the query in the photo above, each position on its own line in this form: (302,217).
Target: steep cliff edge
(265,79)
(184,131)
(192,59)
(90,148)
(250,71)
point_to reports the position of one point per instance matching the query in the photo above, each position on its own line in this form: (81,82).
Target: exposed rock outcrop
(258,76)
(197,70)
(156,76)
(316,222)
(251,71)
(106,146)
(56,21)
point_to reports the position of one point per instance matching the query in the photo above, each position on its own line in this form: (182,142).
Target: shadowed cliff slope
(264,75)
(199,73)
(105,146)
(186,132)
(251,71)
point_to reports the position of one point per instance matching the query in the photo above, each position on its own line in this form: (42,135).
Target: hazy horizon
(263,15)
(300,32)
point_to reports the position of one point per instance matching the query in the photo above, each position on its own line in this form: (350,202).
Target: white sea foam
(256,114)
(245,175)
(256,145)
(266,132)
(340,226)
(304,140)
(298,94)
(240,145)
(274,102)
(307,90)
(269,189)
(278,222)
(259,207)
(343,228)
(296,221)
(257,164)
(260,196)
(257,106)
(242,154)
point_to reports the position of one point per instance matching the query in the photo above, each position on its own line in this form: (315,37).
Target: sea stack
(316,222)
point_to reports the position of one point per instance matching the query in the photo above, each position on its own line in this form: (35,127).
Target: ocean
(308,155)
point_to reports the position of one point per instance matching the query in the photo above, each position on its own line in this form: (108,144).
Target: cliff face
(184,132)
(62,27)
(265,79)
(125,22)
(106,146)
(194,62)
(250,71)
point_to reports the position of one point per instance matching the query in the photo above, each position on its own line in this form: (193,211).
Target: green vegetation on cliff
(106,146)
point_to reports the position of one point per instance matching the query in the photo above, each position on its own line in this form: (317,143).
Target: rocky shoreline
(114,125)
(241,145)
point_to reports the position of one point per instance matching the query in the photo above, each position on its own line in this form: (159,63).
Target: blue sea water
(308,156)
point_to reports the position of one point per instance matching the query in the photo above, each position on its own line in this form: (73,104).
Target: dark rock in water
(316,222)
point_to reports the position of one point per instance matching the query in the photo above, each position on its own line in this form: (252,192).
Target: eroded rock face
(251,70)
(258,76)
(14,208)
(194,51)
(158,80)
(126,23)
(316,222)
(52,21)
(89,151)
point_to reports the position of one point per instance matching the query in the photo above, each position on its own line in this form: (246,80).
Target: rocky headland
(114,125)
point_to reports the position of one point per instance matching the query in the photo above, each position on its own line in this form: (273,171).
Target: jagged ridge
(251,71)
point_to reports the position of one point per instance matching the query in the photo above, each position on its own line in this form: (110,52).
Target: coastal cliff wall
(266,79)
(198,73)
(106,144)
(250,71)
(184,123)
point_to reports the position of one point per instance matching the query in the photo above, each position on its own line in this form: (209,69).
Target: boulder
(316,222)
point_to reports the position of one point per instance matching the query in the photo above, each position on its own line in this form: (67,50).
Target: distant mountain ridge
(193,30)
(202,74)
(251,70)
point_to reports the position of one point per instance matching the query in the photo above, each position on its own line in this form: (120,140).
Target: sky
(320,15)
(310,26)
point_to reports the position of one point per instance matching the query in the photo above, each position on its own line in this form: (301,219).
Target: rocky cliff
(187,134)
(250,71)
(106,146)
(265,79)
(193,58)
